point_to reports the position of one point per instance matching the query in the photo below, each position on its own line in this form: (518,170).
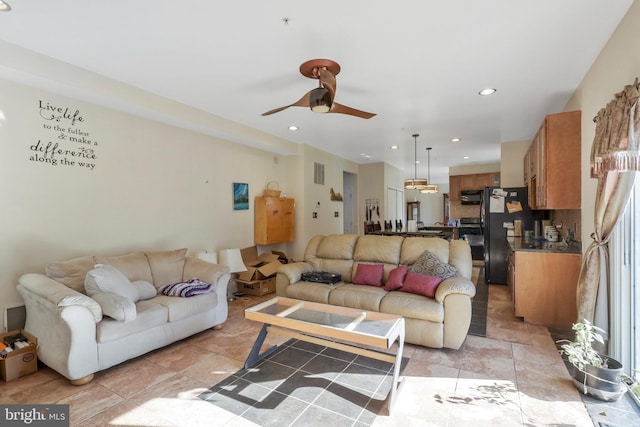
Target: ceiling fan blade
(343,109)
(302,102)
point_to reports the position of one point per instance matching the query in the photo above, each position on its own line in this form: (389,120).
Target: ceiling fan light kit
(320,99)
(415,183)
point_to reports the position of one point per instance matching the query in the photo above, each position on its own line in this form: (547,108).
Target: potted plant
(595,374)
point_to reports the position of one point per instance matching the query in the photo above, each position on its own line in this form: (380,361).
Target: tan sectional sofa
(437,322)
(76,337)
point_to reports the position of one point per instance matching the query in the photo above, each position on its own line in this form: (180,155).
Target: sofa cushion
(413,306)
(337,246)
(356,296)
(378,249)
(413,247)
(134,265)
(181,308)
(311,291)
(420,284)
(396,278)
(72,272)
(429,264)
(149,315)
(369,274)
(166,266)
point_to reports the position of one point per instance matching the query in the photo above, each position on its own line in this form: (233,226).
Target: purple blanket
(186,289)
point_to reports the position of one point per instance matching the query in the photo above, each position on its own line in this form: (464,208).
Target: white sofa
(441,321)
(76,339)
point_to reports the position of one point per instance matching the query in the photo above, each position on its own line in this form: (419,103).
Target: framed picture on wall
(240,196)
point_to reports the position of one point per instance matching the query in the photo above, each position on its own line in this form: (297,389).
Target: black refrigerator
(500,206)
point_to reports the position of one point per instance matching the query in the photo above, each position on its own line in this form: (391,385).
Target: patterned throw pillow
(429,264)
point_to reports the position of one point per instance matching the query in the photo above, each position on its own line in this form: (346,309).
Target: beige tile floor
(513,377)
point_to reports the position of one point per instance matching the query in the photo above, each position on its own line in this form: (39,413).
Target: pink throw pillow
(420,284)
(396,278)
(369,274)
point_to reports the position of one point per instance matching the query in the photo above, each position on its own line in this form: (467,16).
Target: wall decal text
(71,145)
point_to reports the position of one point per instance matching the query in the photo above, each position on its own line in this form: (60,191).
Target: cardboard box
(281,257)
(19,362)
(258,267)
(257,287)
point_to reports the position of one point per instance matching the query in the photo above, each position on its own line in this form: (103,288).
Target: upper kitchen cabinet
(455,186)
(474,181)
(552,164)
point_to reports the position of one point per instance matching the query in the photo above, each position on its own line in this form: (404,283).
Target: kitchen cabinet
(474,181)
(543,287)
(273,220)
(552,164)
(455,186)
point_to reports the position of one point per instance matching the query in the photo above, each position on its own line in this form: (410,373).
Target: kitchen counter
(518,244)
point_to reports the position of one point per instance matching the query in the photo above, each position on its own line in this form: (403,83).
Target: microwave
(471,197)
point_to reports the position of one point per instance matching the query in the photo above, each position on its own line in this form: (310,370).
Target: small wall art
(240,196)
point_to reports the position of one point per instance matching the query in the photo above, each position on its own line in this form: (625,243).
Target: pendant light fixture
(431,188)
(415,183)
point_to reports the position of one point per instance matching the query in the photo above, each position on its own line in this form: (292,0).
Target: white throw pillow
(145,290)
(113,291)
(116,306)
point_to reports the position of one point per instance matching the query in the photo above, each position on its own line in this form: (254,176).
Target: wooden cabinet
(543,287)
(474,181)
(455,186)
(552,164)
(273,220)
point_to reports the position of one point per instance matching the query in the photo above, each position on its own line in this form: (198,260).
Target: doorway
(349,194)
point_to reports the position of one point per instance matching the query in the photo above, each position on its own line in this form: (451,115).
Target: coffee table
(356,331)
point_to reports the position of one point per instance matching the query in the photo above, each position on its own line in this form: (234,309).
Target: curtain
(614,162)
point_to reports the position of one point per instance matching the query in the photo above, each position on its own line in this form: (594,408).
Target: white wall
(512,172)
(617,65)
(153,186)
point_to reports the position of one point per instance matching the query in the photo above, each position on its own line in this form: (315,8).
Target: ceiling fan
(320,99)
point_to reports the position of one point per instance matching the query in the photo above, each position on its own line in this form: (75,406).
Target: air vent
(318,173)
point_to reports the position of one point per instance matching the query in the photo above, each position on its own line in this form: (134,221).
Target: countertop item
(541,245)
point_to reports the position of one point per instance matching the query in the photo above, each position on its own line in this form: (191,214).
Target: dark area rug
(479,304)
(304,384)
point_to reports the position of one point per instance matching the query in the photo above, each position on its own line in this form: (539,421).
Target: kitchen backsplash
(457,211)
(569,218)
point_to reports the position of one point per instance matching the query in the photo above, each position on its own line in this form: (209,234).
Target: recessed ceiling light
(293,128)
(394,147)
(4,6)
(487,91)
(456,139)
(417,162)
(366,156)
(466,157)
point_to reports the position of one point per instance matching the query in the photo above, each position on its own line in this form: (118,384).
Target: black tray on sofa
(322,277)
